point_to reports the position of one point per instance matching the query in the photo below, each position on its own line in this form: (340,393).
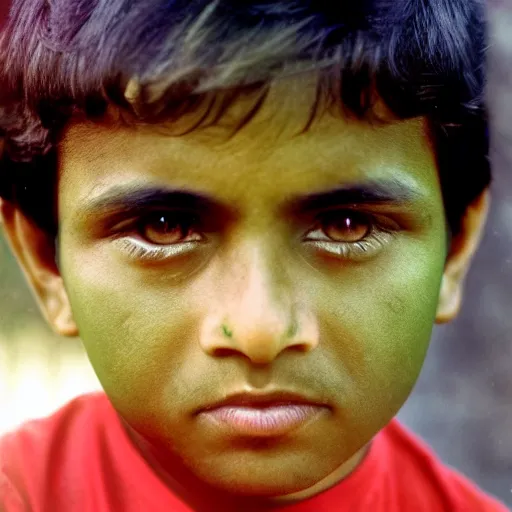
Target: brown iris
(165,229)
(349,227)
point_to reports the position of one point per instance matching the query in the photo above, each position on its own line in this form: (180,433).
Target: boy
(252,213)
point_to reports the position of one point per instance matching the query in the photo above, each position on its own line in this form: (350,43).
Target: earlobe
(35,251)
(58,312)
(460,256)
(450,299)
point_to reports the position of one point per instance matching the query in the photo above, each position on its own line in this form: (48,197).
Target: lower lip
(263,422)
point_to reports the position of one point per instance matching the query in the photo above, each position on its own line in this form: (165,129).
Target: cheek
(381,331)
(137,335)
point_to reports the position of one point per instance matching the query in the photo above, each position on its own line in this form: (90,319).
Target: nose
(258,315)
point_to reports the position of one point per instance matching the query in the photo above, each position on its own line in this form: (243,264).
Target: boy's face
(338,310)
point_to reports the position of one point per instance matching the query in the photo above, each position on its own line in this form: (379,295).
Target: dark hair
(158,59)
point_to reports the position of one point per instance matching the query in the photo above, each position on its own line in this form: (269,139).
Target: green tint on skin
(227,332)
(148,328)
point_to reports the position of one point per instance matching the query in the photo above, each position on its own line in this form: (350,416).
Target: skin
(153,329)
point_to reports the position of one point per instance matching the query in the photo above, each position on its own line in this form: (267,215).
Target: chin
(262,489)
(267,481)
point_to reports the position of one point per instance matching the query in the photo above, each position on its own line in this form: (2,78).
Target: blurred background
(462,404)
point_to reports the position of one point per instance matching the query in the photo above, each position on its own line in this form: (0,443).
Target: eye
(165,228)
(348,227)
(351,235)
(160,236)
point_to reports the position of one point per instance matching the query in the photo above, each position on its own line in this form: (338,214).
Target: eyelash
(378,236)
(139,250)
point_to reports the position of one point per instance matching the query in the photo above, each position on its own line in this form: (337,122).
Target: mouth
(262,415)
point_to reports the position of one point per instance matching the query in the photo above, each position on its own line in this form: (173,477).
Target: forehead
(269,153)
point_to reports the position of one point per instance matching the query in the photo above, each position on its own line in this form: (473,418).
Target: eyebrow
(377,192)
(135,197)
(140,197)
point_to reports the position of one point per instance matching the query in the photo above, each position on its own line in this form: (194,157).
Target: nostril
(223,352)
(300,347)
(257,360)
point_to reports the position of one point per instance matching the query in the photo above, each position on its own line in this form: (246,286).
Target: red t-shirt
(80,459)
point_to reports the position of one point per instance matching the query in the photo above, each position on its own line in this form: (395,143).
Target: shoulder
(41,434)
(10,498)
(420,469)
(33,451)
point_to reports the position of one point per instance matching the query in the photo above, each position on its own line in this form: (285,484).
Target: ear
(462,250)
(35,251)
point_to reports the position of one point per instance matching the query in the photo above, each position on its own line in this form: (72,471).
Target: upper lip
(255,399)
